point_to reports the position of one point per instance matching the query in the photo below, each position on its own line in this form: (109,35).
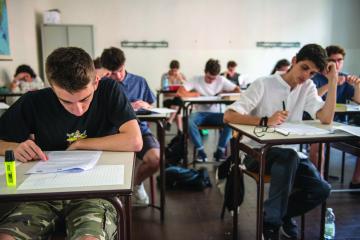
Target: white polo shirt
(265,96)
(198,84)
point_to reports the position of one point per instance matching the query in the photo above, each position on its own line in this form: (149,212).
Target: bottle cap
(9,156)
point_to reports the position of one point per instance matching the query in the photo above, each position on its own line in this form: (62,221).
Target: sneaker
(140,197)
(167,126)
(201,156)
(270,232)
(219,155)
(289,229)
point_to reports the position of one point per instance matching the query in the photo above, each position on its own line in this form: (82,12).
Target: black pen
(284,108)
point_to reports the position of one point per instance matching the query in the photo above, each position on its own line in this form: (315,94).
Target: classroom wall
(196,31)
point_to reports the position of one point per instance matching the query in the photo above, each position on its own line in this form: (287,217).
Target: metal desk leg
(235,153)
(121,220)
(161,137)
(157,98)
(326,175)
(186,133)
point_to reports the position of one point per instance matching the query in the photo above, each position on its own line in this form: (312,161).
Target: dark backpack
(227,170)
(179,178)
(174,151)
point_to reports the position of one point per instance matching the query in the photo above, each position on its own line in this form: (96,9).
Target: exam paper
(162,110)
(67,161)
(350,129)
(97,176)
(300,129)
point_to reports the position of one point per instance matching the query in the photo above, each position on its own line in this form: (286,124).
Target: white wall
(195,29)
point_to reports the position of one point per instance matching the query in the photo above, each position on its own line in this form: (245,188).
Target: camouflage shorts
(38,220)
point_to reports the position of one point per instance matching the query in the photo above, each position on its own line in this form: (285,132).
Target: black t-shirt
(40,113)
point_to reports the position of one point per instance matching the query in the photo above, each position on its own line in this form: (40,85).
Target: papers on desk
(67,161)
(97,176)
(2,165)
(162,110)
(299,129)
(3,105)
(230,96)
(349,129)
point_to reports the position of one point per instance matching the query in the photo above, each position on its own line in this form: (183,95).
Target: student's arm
(182,92)
(355,82)
(128,139)
(323,90)
(326,113)
(24,151)
(231,116)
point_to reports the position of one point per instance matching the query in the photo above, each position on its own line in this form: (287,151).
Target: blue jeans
(296,186)
(207,118)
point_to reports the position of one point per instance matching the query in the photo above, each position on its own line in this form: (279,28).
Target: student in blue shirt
(348,88)
(140,96)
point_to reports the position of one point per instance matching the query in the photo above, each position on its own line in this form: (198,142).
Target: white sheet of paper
(350,129)
(301,129)
(2,165)
(162,110)
(67,161)
(3,105)
(97,176)
(229,94)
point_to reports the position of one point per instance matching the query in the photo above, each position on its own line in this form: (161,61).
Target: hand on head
(331,73)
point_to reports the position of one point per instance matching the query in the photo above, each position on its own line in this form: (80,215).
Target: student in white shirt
(262,103)
(209,84)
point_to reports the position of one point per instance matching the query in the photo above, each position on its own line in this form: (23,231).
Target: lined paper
(97,176)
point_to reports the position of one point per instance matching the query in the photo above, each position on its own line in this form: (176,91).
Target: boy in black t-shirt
(77,112)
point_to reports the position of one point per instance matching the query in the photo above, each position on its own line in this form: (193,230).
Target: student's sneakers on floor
(270,232)
(289,229)
(219,155)
(140,197)
(201,156)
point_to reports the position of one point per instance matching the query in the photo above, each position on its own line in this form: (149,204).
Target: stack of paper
(67,161)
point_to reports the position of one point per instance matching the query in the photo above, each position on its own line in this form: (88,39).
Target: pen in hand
(283,105)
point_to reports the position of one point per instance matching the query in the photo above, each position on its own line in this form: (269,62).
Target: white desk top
(278,138)
(107,158)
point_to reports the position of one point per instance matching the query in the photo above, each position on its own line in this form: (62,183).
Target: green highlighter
(10,168)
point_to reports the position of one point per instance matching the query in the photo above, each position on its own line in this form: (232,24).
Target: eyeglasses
(260,131)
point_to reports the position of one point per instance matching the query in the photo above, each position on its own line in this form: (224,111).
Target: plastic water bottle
(329,224)
(166,84)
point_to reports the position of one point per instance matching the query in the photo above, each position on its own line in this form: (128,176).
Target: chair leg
(152,190)
(342,167)
(303,227)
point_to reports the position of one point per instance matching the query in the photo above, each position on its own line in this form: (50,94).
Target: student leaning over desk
(209,84)
(263,99)
(77,104)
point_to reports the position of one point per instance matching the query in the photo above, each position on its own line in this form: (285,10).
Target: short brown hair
(231,64)
(112,58)
(70,68)
(212,67)
(333,49)
(174,64)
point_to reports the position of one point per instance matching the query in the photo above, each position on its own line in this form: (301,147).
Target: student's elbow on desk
(137,143)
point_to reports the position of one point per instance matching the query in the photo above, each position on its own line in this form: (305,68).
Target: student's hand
(28,151)
(331,74)
(74,145)
(353,80)
(278,118)
(140,104)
